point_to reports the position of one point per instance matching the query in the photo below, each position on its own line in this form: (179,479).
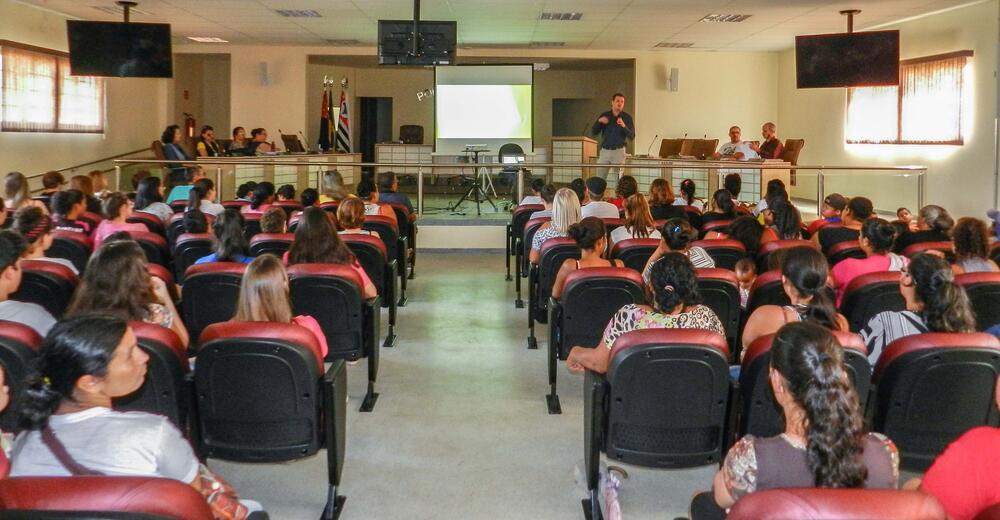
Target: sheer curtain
(932,101)
(872,115)
(29,90)
(81,101)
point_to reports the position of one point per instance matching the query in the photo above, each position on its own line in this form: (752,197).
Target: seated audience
(12,249)
(333,187)
(137,177)
(239,145)
(17,195)
(597,207)
(285,192)
(117,209)
(964,478)
(245,191)
(687,198)
(202,198)
(675,304)
(149,199)
(548,194)
(858,210)
(775,190)
(351,216)
(316,242)
(368,193)
(782,217)
(259,144)
(309,197)
(535,197)
(230,241)
(86,186)
(746,273)
(180,188)
(824,443)
(934,303)
(100,182)
(733,183)
(833,205)
(876,240)
(388,188)
(735,149)
(722,207)
(590,236)
(748,231)
(274,220)
(83,365)
(972,247)
(264,297)
(803,277)
(579,186)
(67,206)
(934,224)
(565,212)
(771,148)
(260,200)
(638,221)
(51,183)
(661,201)
(626,187)
(676,236)
(905,216)
(36,229)
(994,217)
(117,282)
(195,221)
(207,145)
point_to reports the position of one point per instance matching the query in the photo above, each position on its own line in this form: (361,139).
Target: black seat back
(271,243)
(332,294)
(554,252)
(844,250)
(72,246)
(209,294)
(154,246)
(720,291)
(48,284)
(983,290)
(590,298)
(388,232)
(870,294)
(767,290)
(188,249)
(635,252)
(372,256)
(163,392)
(725,252)
(530,228)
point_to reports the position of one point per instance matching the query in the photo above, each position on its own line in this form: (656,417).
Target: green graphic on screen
(483,111)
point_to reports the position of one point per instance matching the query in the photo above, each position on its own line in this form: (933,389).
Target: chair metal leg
(532,342)
(555,344)
(507,248)
(518,302)
(592,507)
(368,404)
(334,504)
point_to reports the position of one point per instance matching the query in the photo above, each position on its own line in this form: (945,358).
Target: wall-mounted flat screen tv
(116,49)
(861,59)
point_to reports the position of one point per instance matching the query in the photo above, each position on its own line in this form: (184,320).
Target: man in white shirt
(12,247)
(735,149)
(596,186)
(536,192)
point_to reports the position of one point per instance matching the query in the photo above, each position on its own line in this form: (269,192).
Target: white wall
(126,98)
(960,178)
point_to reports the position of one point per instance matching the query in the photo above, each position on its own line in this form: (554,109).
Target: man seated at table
(735,149)
(771,148)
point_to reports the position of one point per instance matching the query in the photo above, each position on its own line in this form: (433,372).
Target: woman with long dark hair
(722,207)
(934,303)
(824,443)
(972,247)
(202,198)
(261,199)
(783,218)
(638,221)
(803,277)
(230,241)
(317,242)
(687,198)
(877,236)
(149,198)
(591,237)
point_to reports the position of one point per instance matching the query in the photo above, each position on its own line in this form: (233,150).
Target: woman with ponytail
(202,198)
(803,276)
(261,199)
(823,445)
(877,236)
(676,236)
(35,226)
(591,237)
(934,303)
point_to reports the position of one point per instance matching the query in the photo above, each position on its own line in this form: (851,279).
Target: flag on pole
(343,125)
(325,123)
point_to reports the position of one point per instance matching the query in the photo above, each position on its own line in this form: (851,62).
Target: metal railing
(822,172)
(75,167)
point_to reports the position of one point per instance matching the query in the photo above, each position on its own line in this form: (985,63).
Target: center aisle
(460,429)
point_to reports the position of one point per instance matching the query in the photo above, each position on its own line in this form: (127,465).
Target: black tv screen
(127,50)
(863,59)
(436,41)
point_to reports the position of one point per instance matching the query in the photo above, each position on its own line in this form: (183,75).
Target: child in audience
(12,248)
(264,297)
(67,206)
(274,220)
(286,192)
(591,237)
(36,229)
(351,216)
(316,242)
(117,208)
(906,217)
(230,242)
(833,205)
(746,273)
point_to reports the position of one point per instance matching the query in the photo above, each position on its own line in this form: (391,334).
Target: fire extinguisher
(189,125)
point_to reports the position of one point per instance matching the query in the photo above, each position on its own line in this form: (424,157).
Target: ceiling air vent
(726,18)
(565,17)
(298,13)
(674,45)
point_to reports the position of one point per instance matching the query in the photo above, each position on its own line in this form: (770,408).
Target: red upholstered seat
(289,206)
(251,224)
(983,290)
(634,252)
(720,291)
(554,251)
(767,290)
(870,294)
(162,273)
(843,504)
(381,268)
(768,249)
(912,250)
(640,338)
(726,252)
(816,225)
(154,245)
(163,497)
(151,221)
(284,332)
(330,207)
(209,294)
(610,224)
(719,226)
(92,218)
(990,513)
(691,210)
(238,204)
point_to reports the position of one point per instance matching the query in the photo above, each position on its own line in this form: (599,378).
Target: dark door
(376,124)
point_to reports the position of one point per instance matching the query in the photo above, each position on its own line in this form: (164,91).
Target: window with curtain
(38,94)
(926,107)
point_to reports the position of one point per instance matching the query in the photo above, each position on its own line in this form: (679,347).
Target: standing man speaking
(615,127)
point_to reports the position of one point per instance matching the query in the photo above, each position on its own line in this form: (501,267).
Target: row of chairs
(667,400)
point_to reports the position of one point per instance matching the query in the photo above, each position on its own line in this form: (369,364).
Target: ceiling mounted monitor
(127,50)
(433,44)
(862,59)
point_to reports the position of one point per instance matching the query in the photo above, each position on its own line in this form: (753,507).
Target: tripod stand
(482,184)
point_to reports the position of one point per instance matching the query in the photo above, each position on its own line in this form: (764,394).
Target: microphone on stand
(585,128)
(305,143)
(282,143)
(648,148)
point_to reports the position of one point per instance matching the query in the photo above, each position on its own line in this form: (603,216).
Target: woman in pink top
(316,242)
(264,297)
(877,236)
(260,200)
(117,208)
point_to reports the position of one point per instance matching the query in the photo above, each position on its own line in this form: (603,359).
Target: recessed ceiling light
(730,18)
(566,17)
(298,13)
(207,39)
(674,45)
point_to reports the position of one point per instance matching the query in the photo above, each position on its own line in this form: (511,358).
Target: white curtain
(932,101)
(81,101)
(29,90)
(872,115)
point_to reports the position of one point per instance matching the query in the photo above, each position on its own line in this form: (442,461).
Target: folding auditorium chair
(374,258)
(330,207)
(523,265)
(407,232)
(983,290)
(48,284)
(251,225)
(767,290)
(175,227)
(932,387)
(73,246)
(651,409)
(168,279)
(274,243)
(188,248)
(842,251)
(151,221)
(166,390)
(844,504)
(91,218)
(395,248)
(154,245)
(715,225)
(611,224)
(776,247)
(590,298)
(720,291)
(759,414)
(19,346)
(290,206)
(635,252)
(101,498)
(515,229)
(948,248)
(816,225)
(237,204)
(209,294)
(870,294)
(542,277)
(332,294)
(726,252)
(262,396)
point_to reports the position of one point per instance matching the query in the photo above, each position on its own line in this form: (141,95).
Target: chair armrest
(372,317)
(595,389)
(334,414)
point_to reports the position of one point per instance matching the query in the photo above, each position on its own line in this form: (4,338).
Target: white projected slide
(483,111)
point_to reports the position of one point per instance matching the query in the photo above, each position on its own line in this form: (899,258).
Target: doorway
(376,125)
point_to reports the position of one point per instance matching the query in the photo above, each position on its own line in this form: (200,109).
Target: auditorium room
(476,259)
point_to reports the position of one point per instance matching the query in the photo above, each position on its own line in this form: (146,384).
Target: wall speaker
(265,76)
(674,78)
